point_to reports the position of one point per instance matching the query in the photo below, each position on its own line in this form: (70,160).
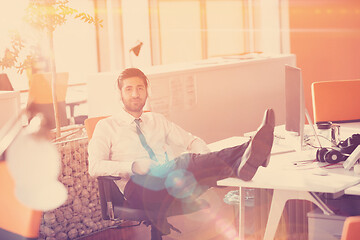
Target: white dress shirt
(115,145)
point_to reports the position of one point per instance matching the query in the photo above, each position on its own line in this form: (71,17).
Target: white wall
(213,99)
(9,108)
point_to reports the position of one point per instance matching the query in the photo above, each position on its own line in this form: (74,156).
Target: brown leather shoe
(258,152)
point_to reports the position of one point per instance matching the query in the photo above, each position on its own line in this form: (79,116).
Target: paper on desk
(233,141)
(227,142)
(279,149)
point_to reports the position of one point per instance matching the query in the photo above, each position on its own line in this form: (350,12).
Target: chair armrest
(113,178)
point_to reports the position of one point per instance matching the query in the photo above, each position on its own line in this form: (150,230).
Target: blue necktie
(143,141)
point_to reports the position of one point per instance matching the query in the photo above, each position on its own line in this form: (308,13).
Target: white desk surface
(283,174)
(291,175)
(354,126)
(354,190)
(295,180)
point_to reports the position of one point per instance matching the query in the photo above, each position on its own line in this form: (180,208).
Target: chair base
(156,234)
(4,234)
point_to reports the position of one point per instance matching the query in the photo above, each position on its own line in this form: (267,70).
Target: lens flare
(180,183)
(226,229)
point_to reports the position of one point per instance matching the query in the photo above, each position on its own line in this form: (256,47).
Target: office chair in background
(351,228)
(336,101)
(40,94)
(114,206)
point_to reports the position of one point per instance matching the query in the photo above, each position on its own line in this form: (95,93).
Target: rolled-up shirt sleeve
(198,146)
(99,149)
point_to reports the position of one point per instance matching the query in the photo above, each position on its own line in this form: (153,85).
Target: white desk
(354,190)
(289,181)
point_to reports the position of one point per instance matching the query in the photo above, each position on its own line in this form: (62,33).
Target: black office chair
(79,119)
(114,206)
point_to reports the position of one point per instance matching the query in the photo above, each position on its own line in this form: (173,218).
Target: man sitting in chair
(132,144)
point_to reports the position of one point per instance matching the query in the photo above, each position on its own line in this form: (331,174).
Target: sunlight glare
(11,14)
(11,19)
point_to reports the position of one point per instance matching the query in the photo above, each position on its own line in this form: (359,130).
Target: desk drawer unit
(327,227)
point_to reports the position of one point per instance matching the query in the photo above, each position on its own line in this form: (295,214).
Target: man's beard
(133,107)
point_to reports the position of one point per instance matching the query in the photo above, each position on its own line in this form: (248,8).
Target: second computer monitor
(294,101)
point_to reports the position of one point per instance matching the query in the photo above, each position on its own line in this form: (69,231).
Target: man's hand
(125,176)
(142,167)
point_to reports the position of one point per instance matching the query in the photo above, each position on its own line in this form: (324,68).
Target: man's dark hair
(131,72)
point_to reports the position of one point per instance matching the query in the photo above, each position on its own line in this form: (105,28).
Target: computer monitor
(294,102)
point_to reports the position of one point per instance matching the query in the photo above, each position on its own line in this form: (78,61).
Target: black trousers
(182,179)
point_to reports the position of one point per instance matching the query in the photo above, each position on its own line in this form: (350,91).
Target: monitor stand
(312,128)
(307,153)
(294,142)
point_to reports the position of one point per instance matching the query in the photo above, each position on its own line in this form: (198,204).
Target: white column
(136,28)
(267,26)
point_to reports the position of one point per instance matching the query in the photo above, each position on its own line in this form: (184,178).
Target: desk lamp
(33,162)
(136,50)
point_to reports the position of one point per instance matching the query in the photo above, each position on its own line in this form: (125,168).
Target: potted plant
(44,16)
